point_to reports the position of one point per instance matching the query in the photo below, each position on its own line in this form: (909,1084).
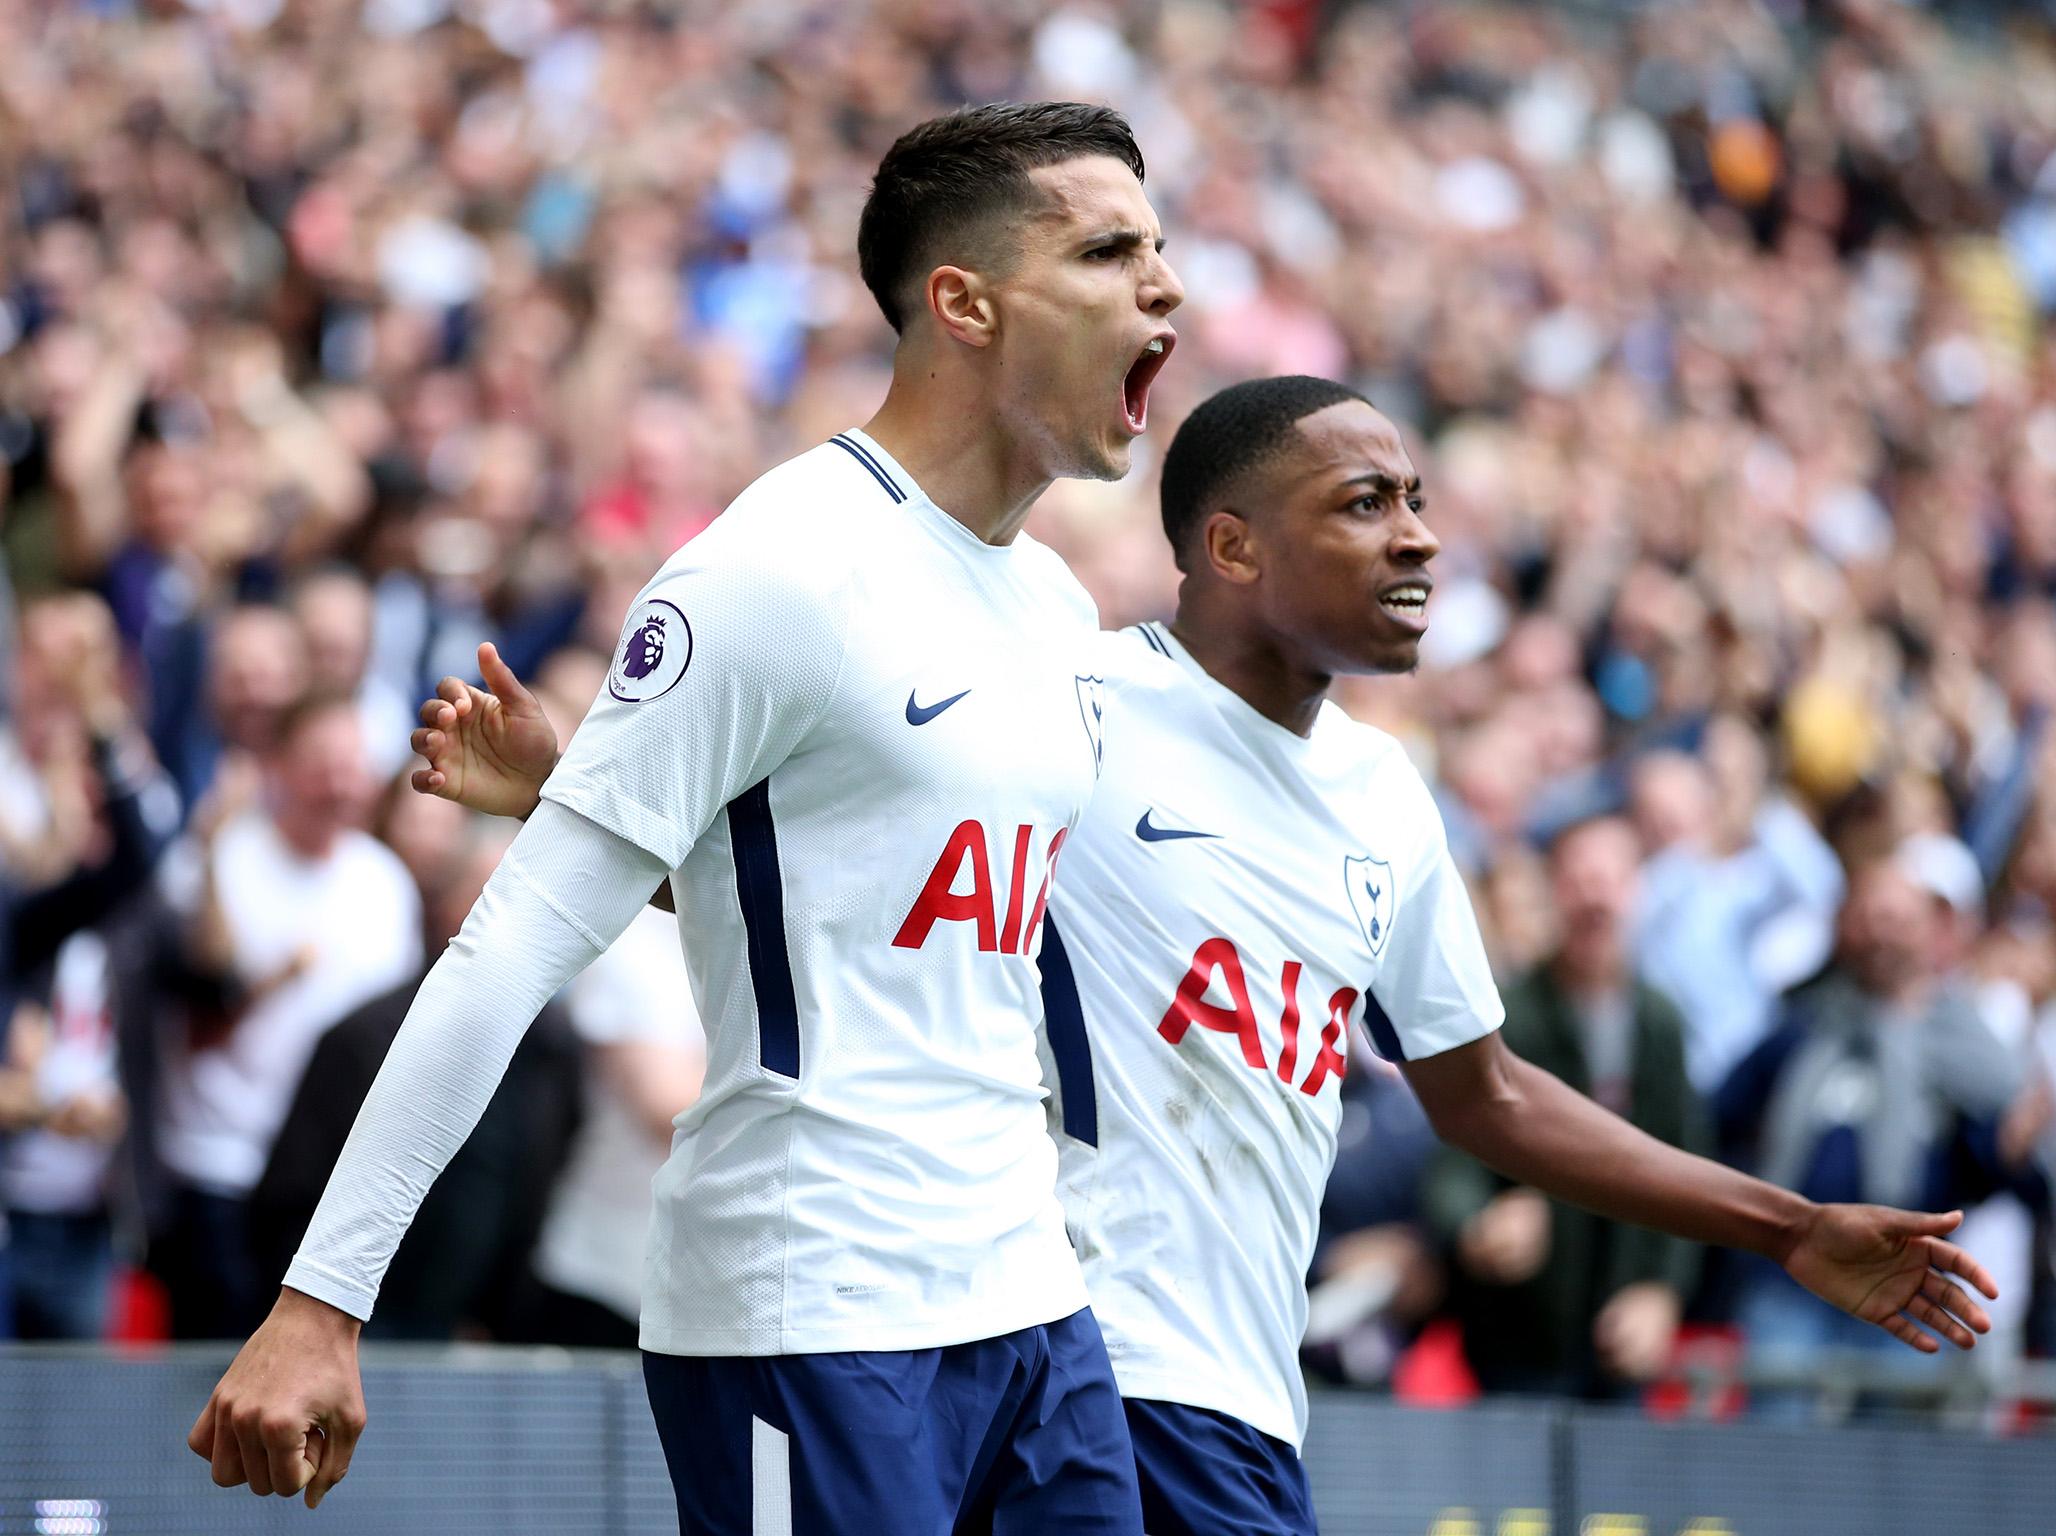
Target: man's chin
(1391,659)
(1108,459)
(1384,661)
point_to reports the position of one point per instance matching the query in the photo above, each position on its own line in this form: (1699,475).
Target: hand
(2025,1120)
(99,1115)
(238,785)
(1634,1330)
(286,1416)
(1508,1241)
(24,1043)
(80,628)
(1891,1268)
(488,751)
(1393,1249)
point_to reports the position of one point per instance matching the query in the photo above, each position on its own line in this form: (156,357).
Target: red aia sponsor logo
(1218,957)
(1008,933)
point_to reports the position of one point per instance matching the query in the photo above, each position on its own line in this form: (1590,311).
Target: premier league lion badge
(1369,882)
(656,648)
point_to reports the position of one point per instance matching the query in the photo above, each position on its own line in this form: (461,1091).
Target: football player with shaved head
(862,1313)
(1256,873)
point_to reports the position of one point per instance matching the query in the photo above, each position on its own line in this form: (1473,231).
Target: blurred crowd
(339,335)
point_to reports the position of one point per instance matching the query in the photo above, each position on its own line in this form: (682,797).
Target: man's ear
(961,302)
(1231,546)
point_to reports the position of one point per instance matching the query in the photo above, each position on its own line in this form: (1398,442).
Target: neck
(308,838)
(1251,666)
(1590,975)
(983,479)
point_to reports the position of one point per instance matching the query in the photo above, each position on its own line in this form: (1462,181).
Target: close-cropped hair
(1231,433)
(944,185)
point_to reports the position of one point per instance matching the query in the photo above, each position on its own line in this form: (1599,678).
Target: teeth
(1155,346)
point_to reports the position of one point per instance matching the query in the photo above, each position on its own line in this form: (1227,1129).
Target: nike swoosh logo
(1154,834)
(919,714)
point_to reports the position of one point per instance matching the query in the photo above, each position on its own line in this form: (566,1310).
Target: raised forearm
(1534,1128)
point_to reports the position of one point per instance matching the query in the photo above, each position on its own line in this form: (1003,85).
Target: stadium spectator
(1738,899)
(1881,1082)
(1376,1276)
(335,610)
(1552,1298)
(213,725)
(644,1057)
(306,917)
(458,1269)
(54,1171)
(82,833)
(2001,1229)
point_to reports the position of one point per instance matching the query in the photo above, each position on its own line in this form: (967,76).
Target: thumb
(313,1453)
(1926,1223)
(330,1452)
(500,678)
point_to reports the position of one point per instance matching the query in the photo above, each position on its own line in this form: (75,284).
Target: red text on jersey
(1219,957)
(1005,931)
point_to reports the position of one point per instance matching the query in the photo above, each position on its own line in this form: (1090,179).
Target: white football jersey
(860,735)
(1234,898)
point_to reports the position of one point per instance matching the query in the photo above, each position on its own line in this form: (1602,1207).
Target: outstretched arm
(1885,1266)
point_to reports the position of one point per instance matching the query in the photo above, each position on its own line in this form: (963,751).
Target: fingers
(456,693)
(428,743)
(444,712)
(200,1438)
(500,677)
(255,1454)
(227,1459)
(287,1462)
(1901,1328)
(338,1443)
(1951,1298)
(427,781)
(1925,1311)
(317,1455)
(1953,1260)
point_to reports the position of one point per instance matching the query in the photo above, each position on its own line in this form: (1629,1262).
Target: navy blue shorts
(1206,1474)
(1012,1435)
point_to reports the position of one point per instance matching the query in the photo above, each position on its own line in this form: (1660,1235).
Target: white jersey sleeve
(1434,991)
(564,892)
(723,665)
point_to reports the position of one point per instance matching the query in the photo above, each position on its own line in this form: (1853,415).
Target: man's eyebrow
(1128,238)
(1386,484)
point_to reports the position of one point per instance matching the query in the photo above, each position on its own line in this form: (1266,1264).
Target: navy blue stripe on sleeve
(760,891)
(1069,1046)
(1379,1023)
(856,451)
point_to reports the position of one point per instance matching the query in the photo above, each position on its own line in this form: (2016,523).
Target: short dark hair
(944,177)
(1231,433)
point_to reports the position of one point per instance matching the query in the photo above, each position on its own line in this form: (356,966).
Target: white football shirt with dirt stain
(1235,897)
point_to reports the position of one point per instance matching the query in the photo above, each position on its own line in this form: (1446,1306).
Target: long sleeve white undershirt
(564,891)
